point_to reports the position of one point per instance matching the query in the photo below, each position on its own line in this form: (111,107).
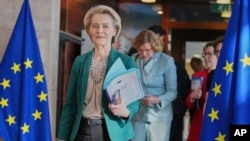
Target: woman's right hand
(196,94)
(119,109)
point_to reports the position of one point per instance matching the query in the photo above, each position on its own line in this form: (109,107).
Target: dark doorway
(181,36)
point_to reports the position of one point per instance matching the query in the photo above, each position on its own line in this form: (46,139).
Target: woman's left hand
(120,109)
(149,100)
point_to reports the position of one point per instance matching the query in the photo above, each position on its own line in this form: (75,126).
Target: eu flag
(24,112)
(228,100)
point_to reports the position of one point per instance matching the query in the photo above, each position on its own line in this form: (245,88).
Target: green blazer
(119,129)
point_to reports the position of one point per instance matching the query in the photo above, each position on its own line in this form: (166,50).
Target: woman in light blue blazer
(158,76)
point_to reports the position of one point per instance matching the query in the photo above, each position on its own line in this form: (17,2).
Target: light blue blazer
(159,79)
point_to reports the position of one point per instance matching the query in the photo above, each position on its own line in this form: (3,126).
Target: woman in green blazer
(87,113)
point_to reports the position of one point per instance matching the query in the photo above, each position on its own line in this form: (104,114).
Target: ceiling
(180,10)
(172,1)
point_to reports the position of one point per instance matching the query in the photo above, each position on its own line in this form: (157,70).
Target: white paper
(122,83)
(196,82)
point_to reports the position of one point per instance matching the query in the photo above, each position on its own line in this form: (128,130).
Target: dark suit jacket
(183,87)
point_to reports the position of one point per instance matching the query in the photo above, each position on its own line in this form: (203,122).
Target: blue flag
(24,112)
(228,100)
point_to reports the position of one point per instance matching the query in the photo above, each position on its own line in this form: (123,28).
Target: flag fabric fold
(24,111)
(229,95)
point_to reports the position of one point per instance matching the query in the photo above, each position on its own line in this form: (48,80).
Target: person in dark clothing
(132,51)
(179,107)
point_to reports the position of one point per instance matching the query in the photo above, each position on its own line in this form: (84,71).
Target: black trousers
(176,128)
(92,132)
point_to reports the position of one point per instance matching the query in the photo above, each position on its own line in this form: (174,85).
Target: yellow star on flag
(221,137)
(11,120)
(42,96)
(37,115)
(39,77)
(213,115)
(15,67)
(5,83)
(245,61)
(25,128)
(228,68)
(216,89)
(28,63)
(4,102)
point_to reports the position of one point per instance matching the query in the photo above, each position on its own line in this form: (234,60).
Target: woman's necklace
(93,76)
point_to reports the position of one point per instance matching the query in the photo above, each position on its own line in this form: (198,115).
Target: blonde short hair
(147,36)
(103,9)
